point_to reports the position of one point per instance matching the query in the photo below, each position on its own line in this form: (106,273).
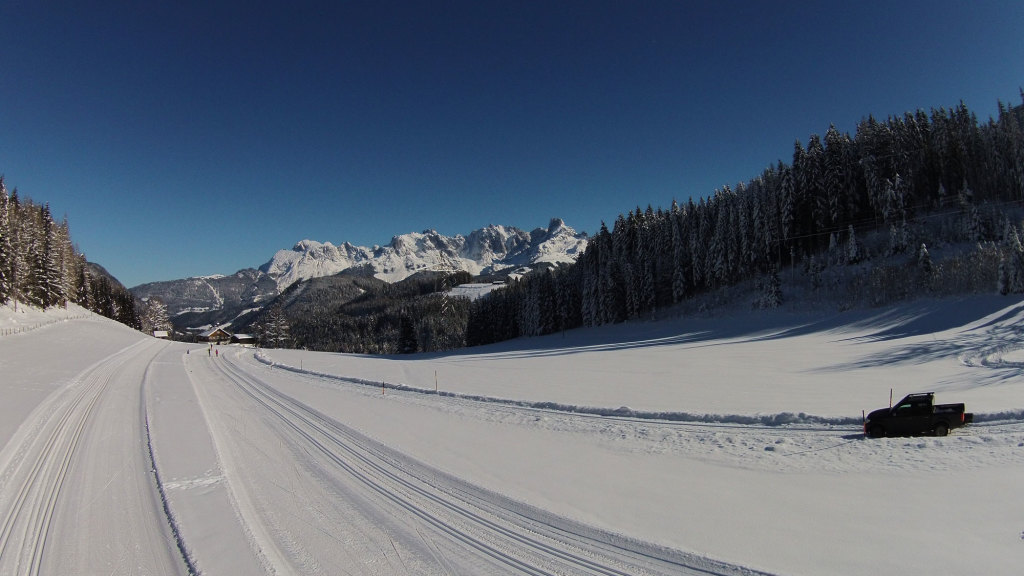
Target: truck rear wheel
(941,429)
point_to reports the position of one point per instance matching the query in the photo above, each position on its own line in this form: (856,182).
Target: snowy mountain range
(209,300)
(483,251)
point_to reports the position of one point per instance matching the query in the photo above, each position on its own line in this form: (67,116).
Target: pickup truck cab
(916,414)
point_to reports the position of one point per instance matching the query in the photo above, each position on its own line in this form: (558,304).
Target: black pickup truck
(916,414)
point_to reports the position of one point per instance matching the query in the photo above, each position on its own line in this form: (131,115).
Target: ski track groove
(268,402)
(373,462)
(33,504)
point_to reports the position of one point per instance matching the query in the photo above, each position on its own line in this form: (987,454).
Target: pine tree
(611,294)
(975,230)
(699,233)
(718,251)
(1003,284)
(407,343)
(965,197)
(52,282)
(20,250)
(853,253)
(895,200)
(925,267)
(897,238)
(6,250)
(664,252)
(924,261)
(66,264)
(1011,278)
(771,290)
(35,281)
(124,309)
(103,298)
(274,331)
(644,262)
(788,207)
(834,175)
(613,297)
(85,294)
(567,302)
(589,294)
(545,291)
(154,316)
(812,185)
(833,248)
(680,260)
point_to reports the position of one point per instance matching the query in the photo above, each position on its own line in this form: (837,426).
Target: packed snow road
(317,497)
(166,459)
(76,493)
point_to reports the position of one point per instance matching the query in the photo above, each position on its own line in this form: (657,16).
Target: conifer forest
(857,216)
(40,267)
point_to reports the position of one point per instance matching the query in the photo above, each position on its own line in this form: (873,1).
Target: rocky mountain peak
(490,249)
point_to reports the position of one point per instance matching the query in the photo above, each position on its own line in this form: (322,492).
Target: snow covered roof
(211,332)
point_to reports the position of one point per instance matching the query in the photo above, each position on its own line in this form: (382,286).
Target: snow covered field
(703,446)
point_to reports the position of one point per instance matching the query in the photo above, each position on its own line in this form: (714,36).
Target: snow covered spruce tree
(274,331)
(1011,263)
(51,274)
(154,316)
(770,291)
(925,268)
(6,249)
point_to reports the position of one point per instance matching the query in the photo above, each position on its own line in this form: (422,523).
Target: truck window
(912,409)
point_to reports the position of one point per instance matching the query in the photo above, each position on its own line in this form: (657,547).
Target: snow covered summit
(488,249)
(312,259)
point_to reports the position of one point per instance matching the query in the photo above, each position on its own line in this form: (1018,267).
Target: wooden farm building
(216,335)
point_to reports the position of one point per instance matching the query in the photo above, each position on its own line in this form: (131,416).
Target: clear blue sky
(193,138)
